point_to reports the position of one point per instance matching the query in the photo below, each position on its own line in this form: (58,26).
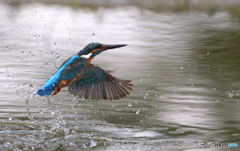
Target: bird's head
(93,49)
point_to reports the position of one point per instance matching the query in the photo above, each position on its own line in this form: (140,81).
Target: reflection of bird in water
(86,80)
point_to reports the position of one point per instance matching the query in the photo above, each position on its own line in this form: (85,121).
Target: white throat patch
(86,56)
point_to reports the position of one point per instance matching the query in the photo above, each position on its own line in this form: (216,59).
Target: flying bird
(86,80)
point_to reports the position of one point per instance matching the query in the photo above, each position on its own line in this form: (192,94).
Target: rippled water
(185,69)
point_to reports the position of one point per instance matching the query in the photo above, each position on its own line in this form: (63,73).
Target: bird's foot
(56,91)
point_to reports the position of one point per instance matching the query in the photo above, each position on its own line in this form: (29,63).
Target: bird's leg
(89,60)
(62,84)
(56,91)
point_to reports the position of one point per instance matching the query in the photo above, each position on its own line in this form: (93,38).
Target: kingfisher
(86,80)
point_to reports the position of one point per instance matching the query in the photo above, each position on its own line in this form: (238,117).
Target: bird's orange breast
(64,83)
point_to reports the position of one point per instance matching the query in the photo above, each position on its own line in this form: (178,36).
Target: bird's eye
(99,47)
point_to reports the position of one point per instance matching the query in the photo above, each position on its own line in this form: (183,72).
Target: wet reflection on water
(184,66)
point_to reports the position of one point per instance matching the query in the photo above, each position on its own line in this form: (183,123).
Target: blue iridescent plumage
(51,84)
(84,79)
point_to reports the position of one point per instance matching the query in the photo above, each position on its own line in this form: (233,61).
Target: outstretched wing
(95,83)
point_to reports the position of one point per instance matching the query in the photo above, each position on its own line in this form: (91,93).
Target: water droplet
(129,104)
(145,97)
(8,145)
(208,53)
(181,68)
(72,144)
(41,111)
(138,111)
(66,131)
(231,94)
(93,143)
(52,113)
(10,118)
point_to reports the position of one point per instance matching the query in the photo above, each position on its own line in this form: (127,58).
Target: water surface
(185,69)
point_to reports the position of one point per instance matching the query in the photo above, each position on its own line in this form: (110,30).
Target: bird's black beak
(106,47)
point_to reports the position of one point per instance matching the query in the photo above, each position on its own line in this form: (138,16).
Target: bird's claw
(56,91)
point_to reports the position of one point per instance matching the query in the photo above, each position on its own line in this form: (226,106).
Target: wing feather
(104,91)
(115,92)
(94,94)
(109,91)
(120,89)
(95,83)
(112,87)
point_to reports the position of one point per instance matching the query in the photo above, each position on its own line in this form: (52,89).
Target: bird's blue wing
(95,83)
(65,72)
(49,86)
